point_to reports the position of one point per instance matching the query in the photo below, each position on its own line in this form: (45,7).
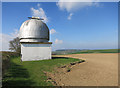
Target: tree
(15,45)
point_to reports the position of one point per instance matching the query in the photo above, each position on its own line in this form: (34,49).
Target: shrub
(5,55)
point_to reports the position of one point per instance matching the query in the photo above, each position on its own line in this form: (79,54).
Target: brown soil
(98,70)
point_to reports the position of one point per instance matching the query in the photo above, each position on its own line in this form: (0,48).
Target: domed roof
(34,29)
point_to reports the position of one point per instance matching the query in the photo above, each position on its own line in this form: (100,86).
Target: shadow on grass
(16,76)
(60,58)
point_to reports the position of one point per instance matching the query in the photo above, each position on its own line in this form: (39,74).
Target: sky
(72,25)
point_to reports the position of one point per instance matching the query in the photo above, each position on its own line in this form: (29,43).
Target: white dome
(34,30)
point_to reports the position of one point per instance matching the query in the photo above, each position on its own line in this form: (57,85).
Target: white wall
(35,51)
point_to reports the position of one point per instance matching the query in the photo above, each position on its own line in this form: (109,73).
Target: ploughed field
(100,69)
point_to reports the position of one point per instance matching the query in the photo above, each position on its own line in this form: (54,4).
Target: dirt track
(98,70)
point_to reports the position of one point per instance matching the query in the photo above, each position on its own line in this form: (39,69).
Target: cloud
(4,41)
(53,31)
(74,5)
(70,16)
(5,38)
(15,33)
(39,13)
(58,41)
(38,5)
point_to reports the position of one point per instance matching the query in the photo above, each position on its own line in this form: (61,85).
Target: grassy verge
(31,73)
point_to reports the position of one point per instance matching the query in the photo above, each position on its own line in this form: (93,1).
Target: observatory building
(34,39)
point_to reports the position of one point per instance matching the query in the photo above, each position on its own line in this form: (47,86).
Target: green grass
(62,52)
(31,73)
(98,51)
